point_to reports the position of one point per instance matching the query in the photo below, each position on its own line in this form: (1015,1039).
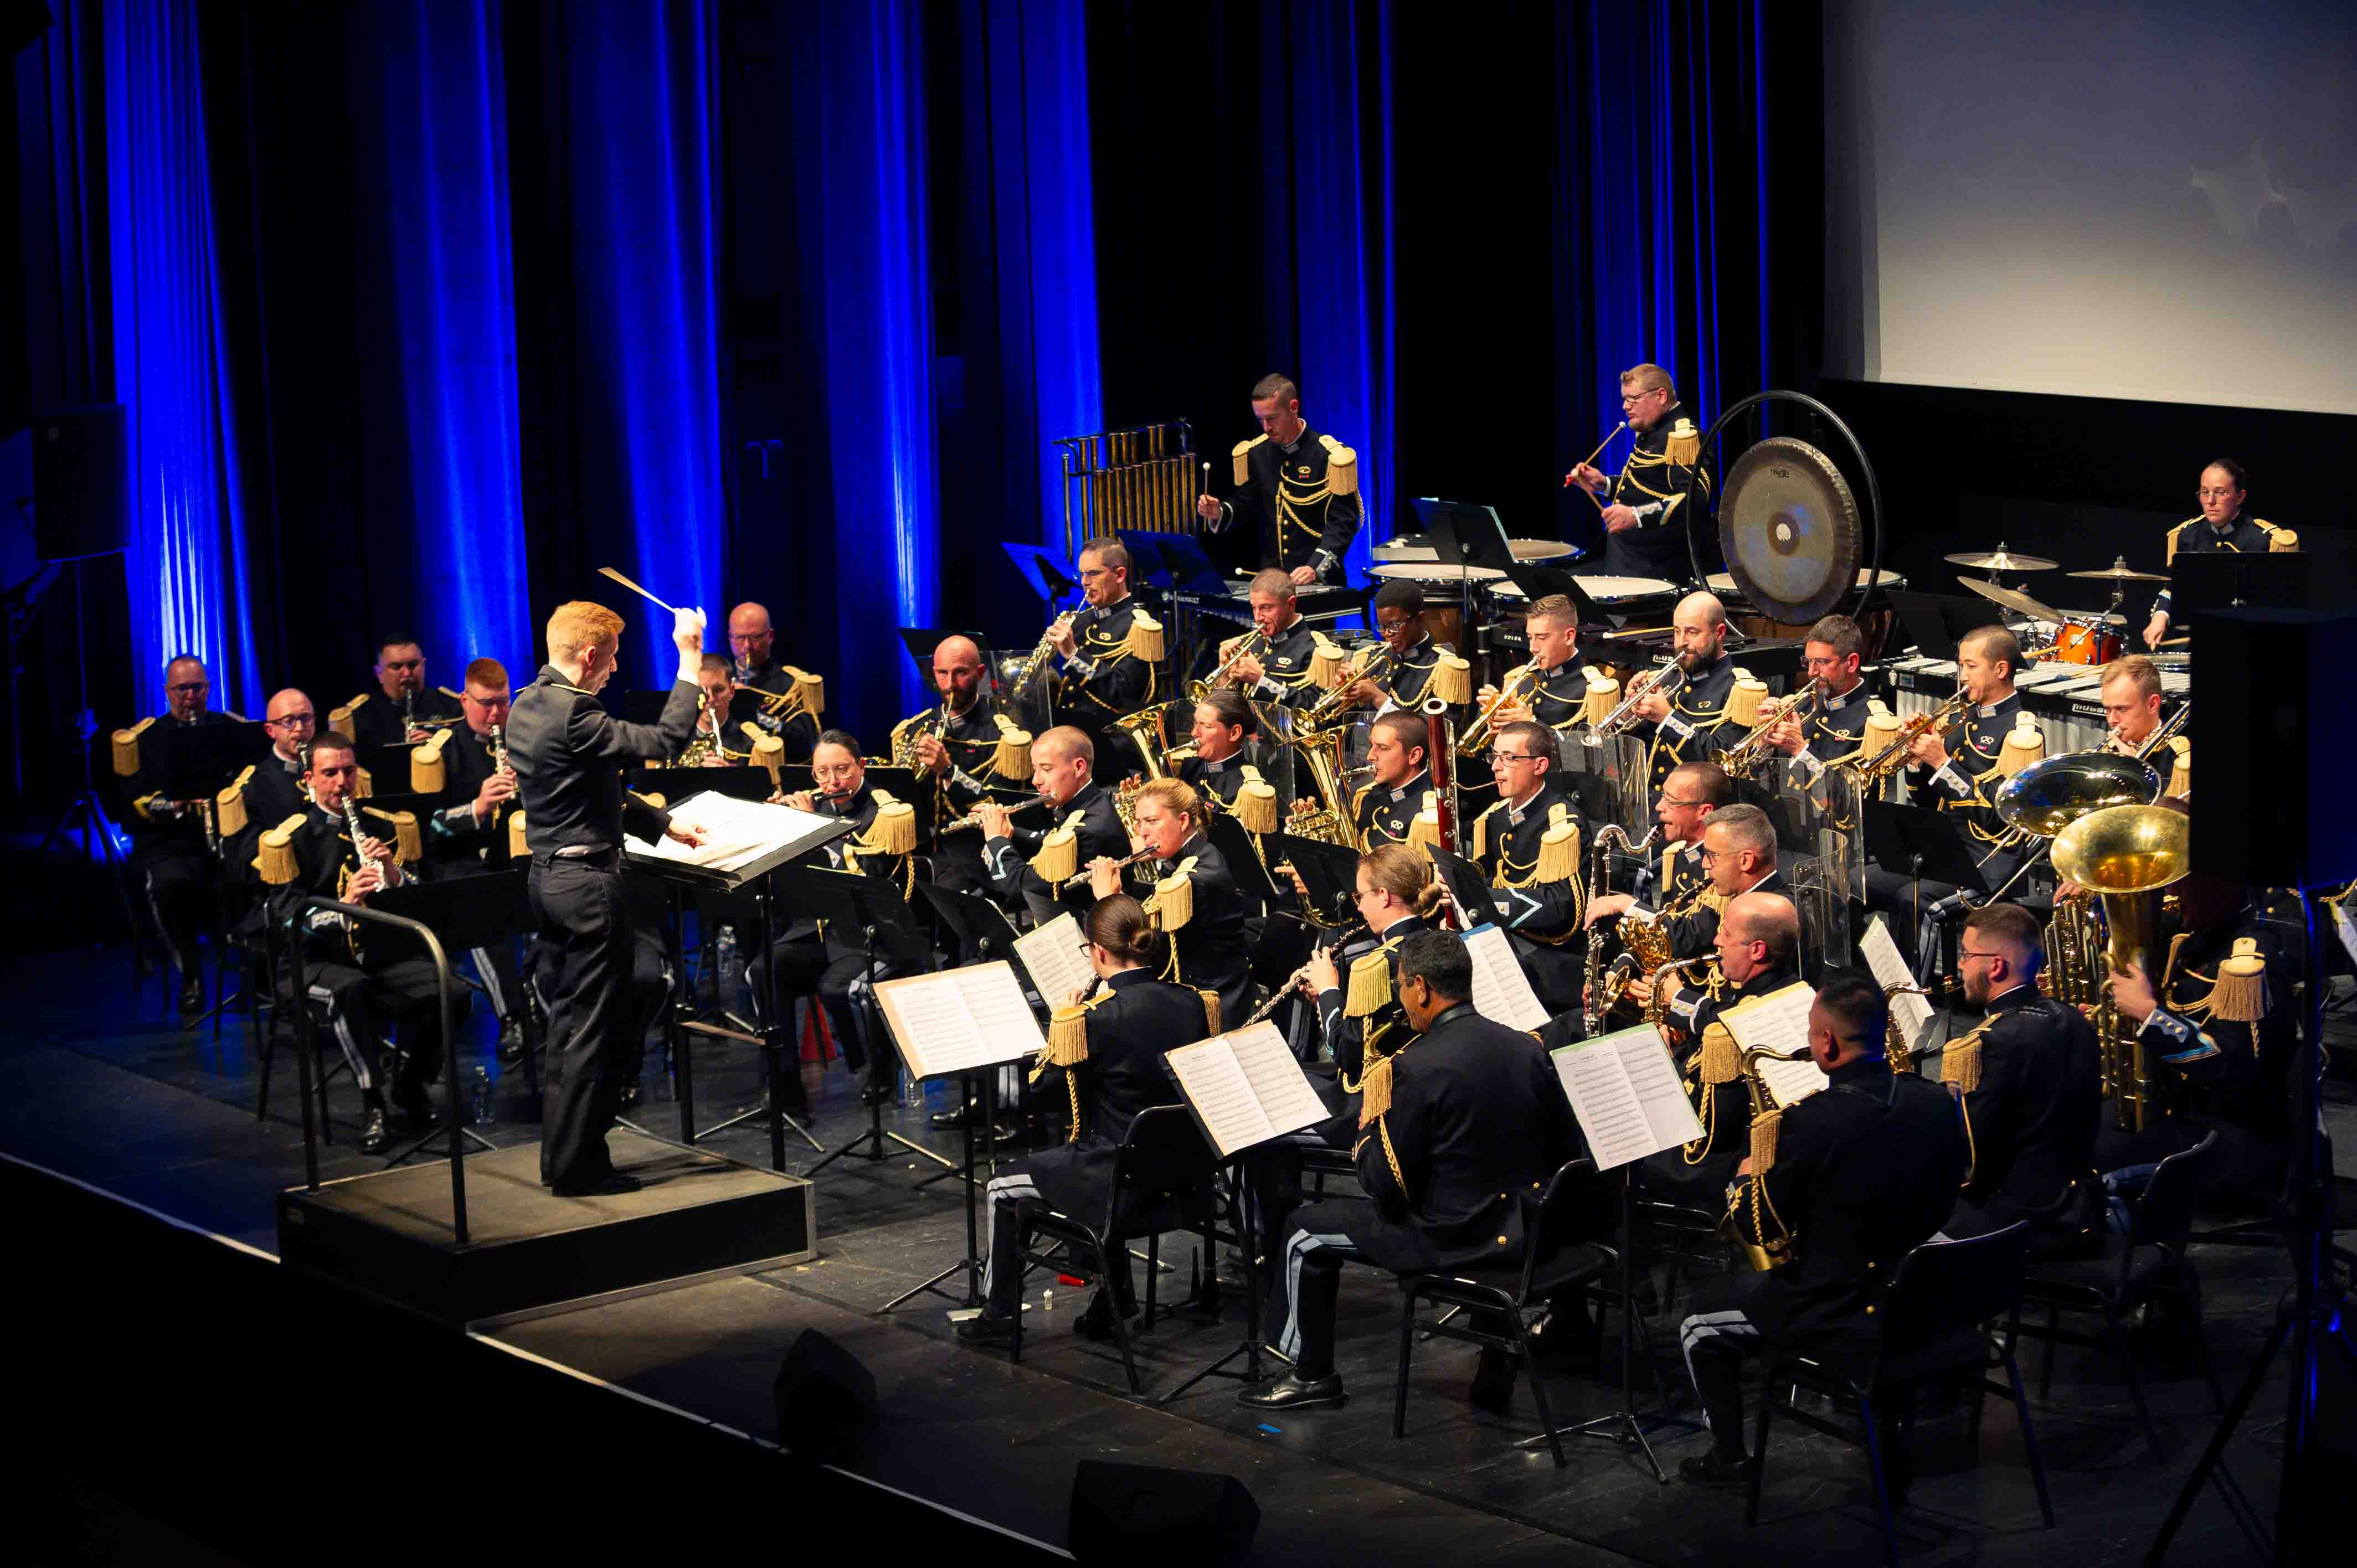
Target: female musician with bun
(1107,1047)
(1206,918)
(1397,896)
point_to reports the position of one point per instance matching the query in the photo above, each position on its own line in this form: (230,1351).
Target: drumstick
(609,572)
(1591,458)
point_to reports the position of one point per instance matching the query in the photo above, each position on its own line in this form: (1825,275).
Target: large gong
(1790,530)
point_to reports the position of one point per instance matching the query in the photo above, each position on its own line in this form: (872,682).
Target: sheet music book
(1625,1093)
(737,833)
(1778,1022)
(960,1019)
(1882,959)
(1245,1088)
(1502,992)
(1052,958)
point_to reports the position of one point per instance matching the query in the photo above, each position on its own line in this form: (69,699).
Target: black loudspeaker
(1140,1516)
(82,496)
(826,1398)
(2275,748)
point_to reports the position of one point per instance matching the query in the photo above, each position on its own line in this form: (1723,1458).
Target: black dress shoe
(1292,1392)
(949,1119)
(628,1096)
(511,1044)
(1096,1322)
(612,1184)
(986,1330)
(375,1137)
(192,995)
(1713,1470)
(1494,1382)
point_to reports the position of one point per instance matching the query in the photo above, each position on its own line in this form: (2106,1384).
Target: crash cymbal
(2001,561)
(2019,604)
(2117,572)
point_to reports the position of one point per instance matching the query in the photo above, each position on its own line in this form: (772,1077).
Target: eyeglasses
(1496,758)
(293,721)
(1965,952)
(189,688)
(1670,799)
(1713,856)
(1089,576)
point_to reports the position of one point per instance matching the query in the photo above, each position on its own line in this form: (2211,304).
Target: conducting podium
(746,843)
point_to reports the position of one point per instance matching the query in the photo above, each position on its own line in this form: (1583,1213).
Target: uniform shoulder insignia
(357,702)
(1242,455)
(1244,447)
(2176,538)
(2279,539)
(1714,900)
(1211,1011)
(1341,468)
(1684,444)
(1360,795)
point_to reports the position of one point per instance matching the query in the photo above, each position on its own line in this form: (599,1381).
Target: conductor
(568,756)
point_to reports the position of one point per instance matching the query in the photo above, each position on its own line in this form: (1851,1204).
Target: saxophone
(1599,885)
(1028,673)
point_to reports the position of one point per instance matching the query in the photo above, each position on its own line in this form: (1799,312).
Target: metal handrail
(307,1041)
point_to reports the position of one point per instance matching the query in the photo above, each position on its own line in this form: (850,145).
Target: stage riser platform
(390,1233)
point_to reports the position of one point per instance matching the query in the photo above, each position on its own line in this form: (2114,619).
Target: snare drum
(2088,642)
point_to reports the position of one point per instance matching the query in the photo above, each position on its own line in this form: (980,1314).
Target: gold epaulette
(1558,856)
(1722,1059)
(1068,1037)
(1211,1011)
(1711,899)
(809,688)
(1960,1059)
(1684,444)
(275,859)
(229,806)
(2279,540)
(1357,795)
(2180,776)
(1243,460)
(2169,555)
(1369,985)
(1144,641)
(126,744)
(1341,468)
(1171,905)
(340,719)
(1481,830)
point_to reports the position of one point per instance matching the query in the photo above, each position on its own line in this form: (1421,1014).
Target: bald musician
(1684,727)
(753,644)
(958,747)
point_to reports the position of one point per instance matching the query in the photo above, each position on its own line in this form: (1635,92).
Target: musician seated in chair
(1221,722)
(1857,1176)
(825,961)
(2221,526)
(1280,671)
(2029,1080)
(1385,806)
(1689,724)
(961,746)
(402,707)
(1557,699)
(470,834)
(169,857)
(1407,661)
(366,976)
(1459,1133)
(1835,724)
(1086,826)
(1755,952)
(1106,1047)
(752,642)
(1186,886)
(2131,698)
(1530,842)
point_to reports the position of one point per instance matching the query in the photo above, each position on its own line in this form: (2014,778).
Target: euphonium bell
(2127,855)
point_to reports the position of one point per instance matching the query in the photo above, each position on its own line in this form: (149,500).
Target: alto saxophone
(1026,674)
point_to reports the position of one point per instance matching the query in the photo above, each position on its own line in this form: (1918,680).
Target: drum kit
(2085,637)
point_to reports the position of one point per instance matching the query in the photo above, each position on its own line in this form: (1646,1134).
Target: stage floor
(130,1103)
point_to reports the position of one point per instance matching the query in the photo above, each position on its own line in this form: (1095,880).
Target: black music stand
(1329,870)
(1475,898)
(1234,843)
(463,912)
(2209,581)
(875,909)
(1922,844)
(674,784)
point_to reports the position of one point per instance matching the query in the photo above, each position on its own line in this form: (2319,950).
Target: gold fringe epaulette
(1255,804)
(1068,1037)
(809,688)
(893,830)
(427,771)
(125,748)
(1060,853)
(408,845)
(768,751)
(1960,1063)
(517,848)
(2024,744)
(1424,828)
(2181,773)
(1684,444)
(229,806)
(1481,830)
(1243,456)
(1211,1011)
(1370,986)
(1013,757)
(1559,846)
(340,719)
(1722,1059)
(1326,659)
(1172,903)
(1144,641)
(1764,1128)
(2240,994)
(275,860)
(1451,681)
(1374,1090)
(1341,468)
(2279,540)
(1743,701)
(1603,696)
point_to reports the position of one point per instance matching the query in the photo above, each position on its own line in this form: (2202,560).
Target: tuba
(2124,855)
(1143,728)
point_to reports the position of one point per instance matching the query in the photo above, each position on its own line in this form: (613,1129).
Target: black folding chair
(1553,1262)
(1162,1157)
(1934,1325)
(2132,1270)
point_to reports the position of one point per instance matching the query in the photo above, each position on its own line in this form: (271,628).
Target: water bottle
(479,1098)
(912,1093)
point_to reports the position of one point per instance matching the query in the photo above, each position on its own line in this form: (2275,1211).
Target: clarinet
(499,749)
(408,711)
(353,826)
(1285,988)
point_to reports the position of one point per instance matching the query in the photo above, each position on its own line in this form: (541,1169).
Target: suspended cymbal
(2019,604)
(2002,560)
(2117,572)
(1790,530)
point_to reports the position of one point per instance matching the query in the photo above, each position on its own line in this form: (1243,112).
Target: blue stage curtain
(641,132)
(186,566)
(861,175)
(1341,217)
(444,133)
(1663,222)
(1030,98)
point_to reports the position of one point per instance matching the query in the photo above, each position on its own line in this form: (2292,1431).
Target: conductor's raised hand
(687,630)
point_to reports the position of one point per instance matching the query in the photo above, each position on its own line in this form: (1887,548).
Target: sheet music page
(1276,1078)
(1215,1084)
(1009,1028)
(737,833)
(959,1019)
(1883,960)
(1614,1084)
(1502,992)
(1778,1022)
(1052,958)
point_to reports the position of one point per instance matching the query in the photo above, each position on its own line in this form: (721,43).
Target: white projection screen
(2134,200)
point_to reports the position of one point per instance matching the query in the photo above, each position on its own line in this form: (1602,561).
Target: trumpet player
(1063,768)
(1835,724)
(403,707)
(2131,698)
(1410,654)
(1684,725)
(1861,1175)
(956,750)
(752,646)
(1554,701)
(1281,674)
(1538,896)
(1965,780)
(1103,678)
(1206,923)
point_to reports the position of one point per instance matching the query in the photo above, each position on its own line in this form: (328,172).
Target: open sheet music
(1245,1088)
(960,1019)
(1502,992)
(1910,1011)
(736,832)
(1625,1093)
(1778,1022)
(1052,958)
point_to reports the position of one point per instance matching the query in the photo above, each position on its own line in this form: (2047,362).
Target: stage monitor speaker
(82,496)
(2275,744)
(1140,1516)
(826,1398)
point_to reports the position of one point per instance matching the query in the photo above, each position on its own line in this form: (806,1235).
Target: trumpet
(1752,749)
(1945,719)
(1620,719)
(1243,649)
(1476,736)
(1122,864)
(1337,702)
(973,820)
